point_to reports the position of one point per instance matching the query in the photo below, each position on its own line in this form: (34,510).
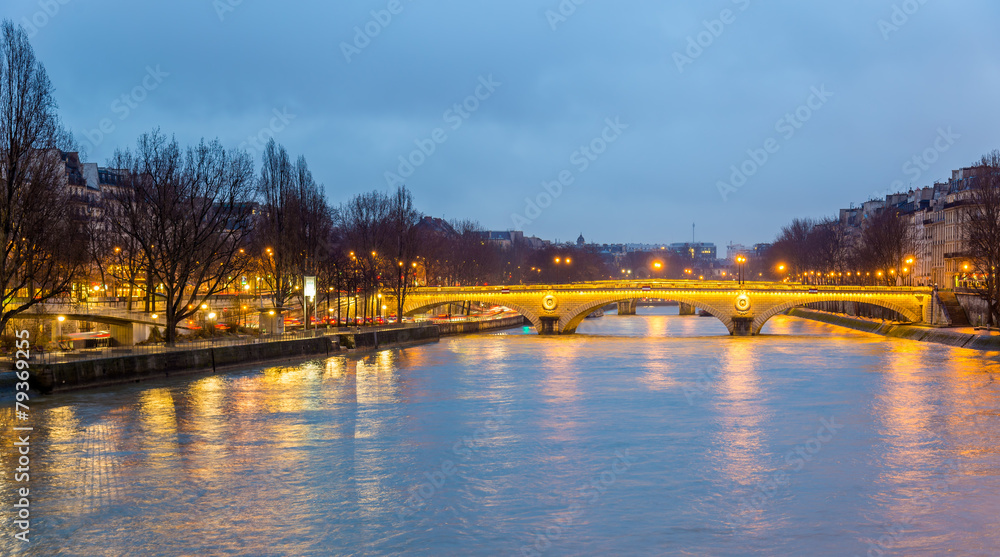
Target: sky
(624,121)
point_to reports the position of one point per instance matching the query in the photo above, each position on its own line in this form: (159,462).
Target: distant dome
(580,241)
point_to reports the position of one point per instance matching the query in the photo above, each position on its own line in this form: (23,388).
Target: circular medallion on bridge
(743,303)
(549,302)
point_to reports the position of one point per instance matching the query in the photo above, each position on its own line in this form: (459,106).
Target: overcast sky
(643,108)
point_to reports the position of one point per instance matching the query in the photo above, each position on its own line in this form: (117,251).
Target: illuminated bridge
(744,309)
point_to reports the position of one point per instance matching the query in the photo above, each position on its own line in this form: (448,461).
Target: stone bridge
(743,309)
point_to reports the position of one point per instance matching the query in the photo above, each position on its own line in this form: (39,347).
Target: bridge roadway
(744,309)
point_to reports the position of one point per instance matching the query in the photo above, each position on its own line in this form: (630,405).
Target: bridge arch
(761,319)
(576,314)
(410,307)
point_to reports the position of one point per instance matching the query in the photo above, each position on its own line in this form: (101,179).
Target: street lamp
(740,260)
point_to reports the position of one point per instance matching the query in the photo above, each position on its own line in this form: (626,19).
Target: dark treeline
(825,251)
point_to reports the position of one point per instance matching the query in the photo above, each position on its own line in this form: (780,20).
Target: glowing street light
(740,261)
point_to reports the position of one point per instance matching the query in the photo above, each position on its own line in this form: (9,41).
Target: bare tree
(982,231)
(190,211)
(363,222)
(402,237)
(44,248)
(277,228)
(791,246)
(886,239)
(826,246)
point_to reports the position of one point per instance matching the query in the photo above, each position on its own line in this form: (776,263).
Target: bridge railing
(670,285)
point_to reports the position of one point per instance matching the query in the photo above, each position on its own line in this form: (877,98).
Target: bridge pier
(742,326)
(687,309)
(550,326)
(627,307)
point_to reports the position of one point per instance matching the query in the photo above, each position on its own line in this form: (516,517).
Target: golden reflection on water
(660,372)
(158,418)
(740,412)
(560,387)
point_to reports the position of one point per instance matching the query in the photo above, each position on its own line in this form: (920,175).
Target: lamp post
(59,322)
(740,260)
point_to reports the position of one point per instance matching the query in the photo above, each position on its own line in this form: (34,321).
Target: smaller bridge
(125,330)
(743,309)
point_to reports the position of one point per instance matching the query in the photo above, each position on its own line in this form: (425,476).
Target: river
(651,434)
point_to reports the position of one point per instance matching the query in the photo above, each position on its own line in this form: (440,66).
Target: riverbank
(950,337)
(119,369)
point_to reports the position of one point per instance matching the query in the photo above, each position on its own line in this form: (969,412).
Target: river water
(643,435)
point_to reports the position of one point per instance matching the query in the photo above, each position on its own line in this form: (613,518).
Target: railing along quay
(60,356)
